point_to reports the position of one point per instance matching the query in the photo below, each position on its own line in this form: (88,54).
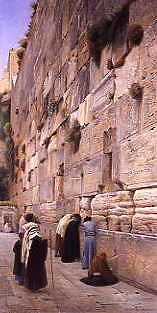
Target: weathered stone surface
(46,190)
(144,223)
(119,200)
(137,165)
(72,183)
(83,53)
(92,174)
(145,197)
(103,94)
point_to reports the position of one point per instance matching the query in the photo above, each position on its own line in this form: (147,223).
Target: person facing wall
(90,230)
(34,253)
(71,241)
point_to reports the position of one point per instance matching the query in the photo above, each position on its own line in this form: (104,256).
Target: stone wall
(83,140)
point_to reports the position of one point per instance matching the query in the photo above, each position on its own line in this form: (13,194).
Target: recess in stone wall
(23,165)
(23,149)
(73,135)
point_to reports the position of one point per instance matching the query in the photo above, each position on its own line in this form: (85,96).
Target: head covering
(32,230)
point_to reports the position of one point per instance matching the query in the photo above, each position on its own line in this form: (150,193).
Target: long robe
(60,232)
(35,271)
(71,243)
(89,228)
(17,269)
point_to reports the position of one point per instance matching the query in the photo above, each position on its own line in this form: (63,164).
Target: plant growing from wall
(7,129)
(134,35)
(23,43)
(52,106)
(34,5)
(20,53)
(136,91)
(73,135)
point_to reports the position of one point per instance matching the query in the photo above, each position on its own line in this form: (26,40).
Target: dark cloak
(18,266)
(35,272)
(71,243)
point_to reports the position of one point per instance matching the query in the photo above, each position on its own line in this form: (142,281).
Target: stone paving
(69,295)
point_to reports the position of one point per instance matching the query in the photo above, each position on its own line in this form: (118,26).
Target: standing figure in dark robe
(34,253)
(71,240)
(60,232)
(18,266)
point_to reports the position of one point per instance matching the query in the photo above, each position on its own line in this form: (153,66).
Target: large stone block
(59,184)
(127,117)
(137,166)
(145,224)
(93,171)
(46,191)
(145,197)
(118,202)
(73,182)
(103,94)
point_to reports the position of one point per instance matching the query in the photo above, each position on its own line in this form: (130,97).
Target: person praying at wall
(34,253)
(60,232)
(71,240)
(18,266)
(89,228)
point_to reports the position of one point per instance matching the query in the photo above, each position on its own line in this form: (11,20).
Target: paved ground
(70,295)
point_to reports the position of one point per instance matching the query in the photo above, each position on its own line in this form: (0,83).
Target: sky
(14,20)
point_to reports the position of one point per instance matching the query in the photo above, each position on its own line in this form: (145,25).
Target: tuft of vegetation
(136,91)
(34,5)
(135,35)
(20,53)
(7,129)
(23,43)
